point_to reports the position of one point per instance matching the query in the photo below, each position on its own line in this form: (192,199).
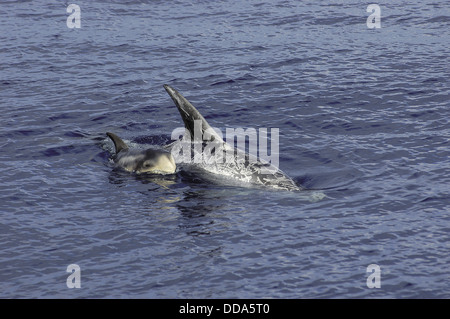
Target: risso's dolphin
(142,161)
(236,164)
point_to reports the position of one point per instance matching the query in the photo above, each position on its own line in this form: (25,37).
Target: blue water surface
(363,116)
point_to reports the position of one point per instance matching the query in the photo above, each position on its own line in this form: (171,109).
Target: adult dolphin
(240,166)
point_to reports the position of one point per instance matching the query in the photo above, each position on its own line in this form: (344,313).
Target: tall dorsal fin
(189,114)
(118,143)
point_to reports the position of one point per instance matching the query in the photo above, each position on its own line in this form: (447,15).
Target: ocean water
(363,116)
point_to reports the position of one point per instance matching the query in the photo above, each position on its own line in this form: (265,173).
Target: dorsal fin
(189,114)
(118,143)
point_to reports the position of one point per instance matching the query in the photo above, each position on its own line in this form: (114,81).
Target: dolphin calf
(250,170)
(142,161)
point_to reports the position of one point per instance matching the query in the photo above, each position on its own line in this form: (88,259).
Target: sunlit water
(363,116)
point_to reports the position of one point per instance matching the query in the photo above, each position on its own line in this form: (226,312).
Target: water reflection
(121,177)
(192,195)
(198,209)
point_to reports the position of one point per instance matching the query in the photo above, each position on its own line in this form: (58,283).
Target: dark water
(363,117)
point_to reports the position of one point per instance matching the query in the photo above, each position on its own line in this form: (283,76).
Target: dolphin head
(142,161)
